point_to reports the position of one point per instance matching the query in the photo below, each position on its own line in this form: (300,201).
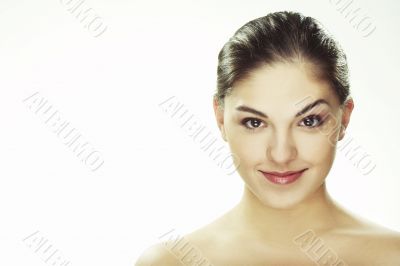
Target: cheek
(248,147)
(316,148)
(320,146)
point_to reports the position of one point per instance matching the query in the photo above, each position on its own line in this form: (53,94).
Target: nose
(281,148)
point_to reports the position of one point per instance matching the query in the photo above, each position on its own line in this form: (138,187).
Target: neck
(318,213)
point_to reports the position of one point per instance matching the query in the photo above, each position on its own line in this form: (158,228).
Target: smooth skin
(284,224)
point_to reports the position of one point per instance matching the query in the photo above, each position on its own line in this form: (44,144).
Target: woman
(282,104)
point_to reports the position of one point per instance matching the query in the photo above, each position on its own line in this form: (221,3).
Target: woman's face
(269,128)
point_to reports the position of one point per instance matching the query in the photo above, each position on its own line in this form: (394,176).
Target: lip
(283,178)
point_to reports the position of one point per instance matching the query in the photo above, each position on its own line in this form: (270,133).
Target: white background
(155,178)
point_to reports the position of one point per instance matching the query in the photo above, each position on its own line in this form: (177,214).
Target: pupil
(309,121)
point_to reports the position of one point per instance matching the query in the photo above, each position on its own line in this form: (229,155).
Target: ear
(348,108)
(219,116)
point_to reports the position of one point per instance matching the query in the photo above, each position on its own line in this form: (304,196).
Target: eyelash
(320,122)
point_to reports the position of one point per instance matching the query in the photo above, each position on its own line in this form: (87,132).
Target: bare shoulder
(157,255)
(372,243)
(178,250)
(387,242)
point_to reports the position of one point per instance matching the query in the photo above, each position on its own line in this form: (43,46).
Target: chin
(281,203)
(285,198)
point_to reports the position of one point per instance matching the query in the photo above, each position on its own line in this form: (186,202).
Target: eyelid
(317,110)
(246,119)
(311,113)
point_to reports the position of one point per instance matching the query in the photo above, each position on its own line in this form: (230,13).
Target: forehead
(281,87)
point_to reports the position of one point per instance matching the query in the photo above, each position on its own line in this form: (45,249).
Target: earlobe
(342,132)
(223,134)
(219,116)
(348,108)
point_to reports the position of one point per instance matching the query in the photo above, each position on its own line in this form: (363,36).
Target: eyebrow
(308,107)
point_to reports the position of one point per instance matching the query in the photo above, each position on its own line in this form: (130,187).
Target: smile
(283,178)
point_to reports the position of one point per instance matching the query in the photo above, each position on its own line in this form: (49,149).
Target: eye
(251,123)
(312,121)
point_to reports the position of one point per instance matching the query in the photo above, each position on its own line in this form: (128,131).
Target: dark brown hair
(282,37)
